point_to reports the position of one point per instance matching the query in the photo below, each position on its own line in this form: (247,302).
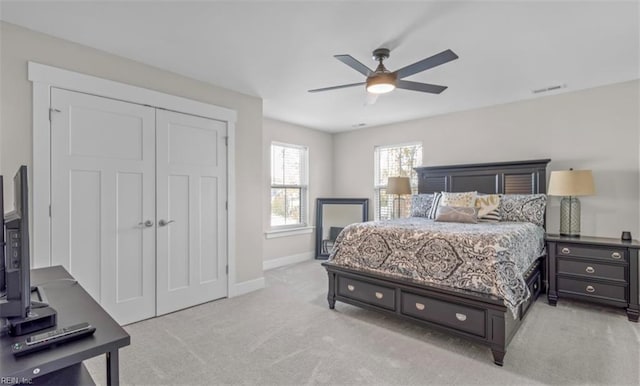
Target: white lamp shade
(398,185)
(571,183)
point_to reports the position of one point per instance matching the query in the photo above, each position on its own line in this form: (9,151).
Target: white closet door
(192,186)
(102,193)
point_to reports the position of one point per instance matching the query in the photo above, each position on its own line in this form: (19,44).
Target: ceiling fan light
(380,88)
(381,84)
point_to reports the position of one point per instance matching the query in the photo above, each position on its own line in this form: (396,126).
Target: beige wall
(19,45)
(592,129)
(595,129)
(320,160)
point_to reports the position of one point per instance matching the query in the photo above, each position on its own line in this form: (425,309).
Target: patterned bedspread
(490,258)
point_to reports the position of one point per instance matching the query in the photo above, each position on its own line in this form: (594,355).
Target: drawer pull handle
(379,295)
(420,306)
(590,289)
(590,269)
(461,317)
(566,251)
(616,255)
(535,286)
(351,288)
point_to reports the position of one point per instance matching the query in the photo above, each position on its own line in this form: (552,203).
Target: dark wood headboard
(517,177)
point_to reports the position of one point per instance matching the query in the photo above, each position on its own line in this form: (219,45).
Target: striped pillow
(488,207)
(434,205)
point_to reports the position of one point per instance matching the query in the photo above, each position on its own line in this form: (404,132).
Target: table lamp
(398,186)
(569,184)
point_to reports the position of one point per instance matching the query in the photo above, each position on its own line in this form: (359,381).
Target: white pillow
(466,199)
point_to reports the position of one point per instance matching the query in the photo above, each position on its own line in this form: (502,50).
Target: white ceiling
(278,50)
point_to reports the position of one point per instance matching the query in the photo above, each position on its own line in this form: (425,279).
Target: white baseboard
(286,260)
(246,287)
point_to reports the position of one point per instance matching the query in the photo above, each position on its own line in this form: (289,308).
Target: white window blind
(395,161)
(288,185)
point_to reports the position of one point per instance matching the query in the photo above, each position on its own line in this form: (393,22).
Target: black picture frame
(323,253)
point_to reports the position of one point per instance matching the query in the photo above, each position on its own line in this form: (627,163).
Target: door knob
(147,223)
(165,223)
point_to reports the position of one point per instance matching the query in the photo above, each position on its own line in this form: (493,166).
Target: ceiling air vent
(550,88)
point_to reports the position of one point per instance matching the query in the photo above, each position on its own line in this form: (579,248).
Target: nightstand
(594,269)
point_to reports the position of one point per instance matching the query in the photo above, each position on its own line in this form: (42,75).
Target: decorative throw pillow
(488,207)
(458,199)
(523,208)
(434,205)
(421,205)
(463,214)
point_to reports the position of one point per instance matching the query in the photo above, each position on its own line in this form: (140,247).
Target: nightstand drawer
(595,290)
(367,292)
(592,269)
(593,252)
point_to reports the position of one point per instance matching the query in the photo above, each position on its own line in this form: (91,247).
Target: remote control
(52,338)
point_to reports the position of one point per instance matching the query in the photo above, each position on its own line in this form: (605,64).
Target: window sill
(272,234)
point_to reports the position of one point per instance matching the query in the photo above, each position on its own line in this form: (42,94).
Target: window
(288,186)
(395,161)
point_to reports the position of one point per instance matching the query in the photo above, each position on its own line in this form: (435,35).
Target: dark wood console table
(74,305)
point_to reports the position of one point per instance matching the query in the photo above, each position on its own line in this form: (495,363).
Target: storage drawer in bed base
(376,295)
(476,334)
(456,316)
(535,288)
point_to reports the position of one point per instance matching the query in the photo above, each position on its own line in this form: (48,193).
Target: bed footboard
(481,318)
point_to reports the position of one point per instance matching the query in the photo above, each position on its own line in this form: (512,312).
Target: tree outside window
(395,161)
(288,185)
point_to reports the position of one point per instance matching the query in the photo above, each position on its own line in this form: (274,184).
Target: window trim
(276,233)
(303,226)
(376,172)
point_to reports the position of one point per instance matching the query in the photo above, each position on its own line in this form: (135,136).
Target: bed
(490,312)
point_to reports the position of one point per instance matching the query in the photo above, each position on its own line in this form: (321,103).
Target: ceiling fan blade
(425,64)
(424,87)
(337,87)
(353,63)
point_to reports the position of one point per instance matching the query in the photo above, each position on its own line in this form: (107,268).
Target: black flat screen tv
(3,287)
(16,288)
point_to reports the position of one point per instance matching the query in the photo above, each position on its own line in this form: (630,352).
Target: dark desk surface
(74,305)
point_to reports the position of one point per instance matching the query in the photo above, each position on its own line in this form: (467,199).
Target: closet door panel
(84,236)
(130,208)
(208,269)
(192,251)
(178,233)
(102,193)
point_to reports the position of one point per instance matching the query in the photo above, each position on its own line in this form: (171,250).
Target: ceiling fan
(383,81)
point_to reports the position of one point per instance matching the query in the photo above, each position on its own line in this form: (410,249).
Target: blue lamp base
(570,217)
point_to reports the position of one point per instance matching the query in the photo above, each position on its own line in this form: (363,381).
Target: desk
(74,305)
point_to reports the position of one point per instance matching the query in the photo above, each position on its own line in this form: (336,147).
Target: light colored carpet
(286,334)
